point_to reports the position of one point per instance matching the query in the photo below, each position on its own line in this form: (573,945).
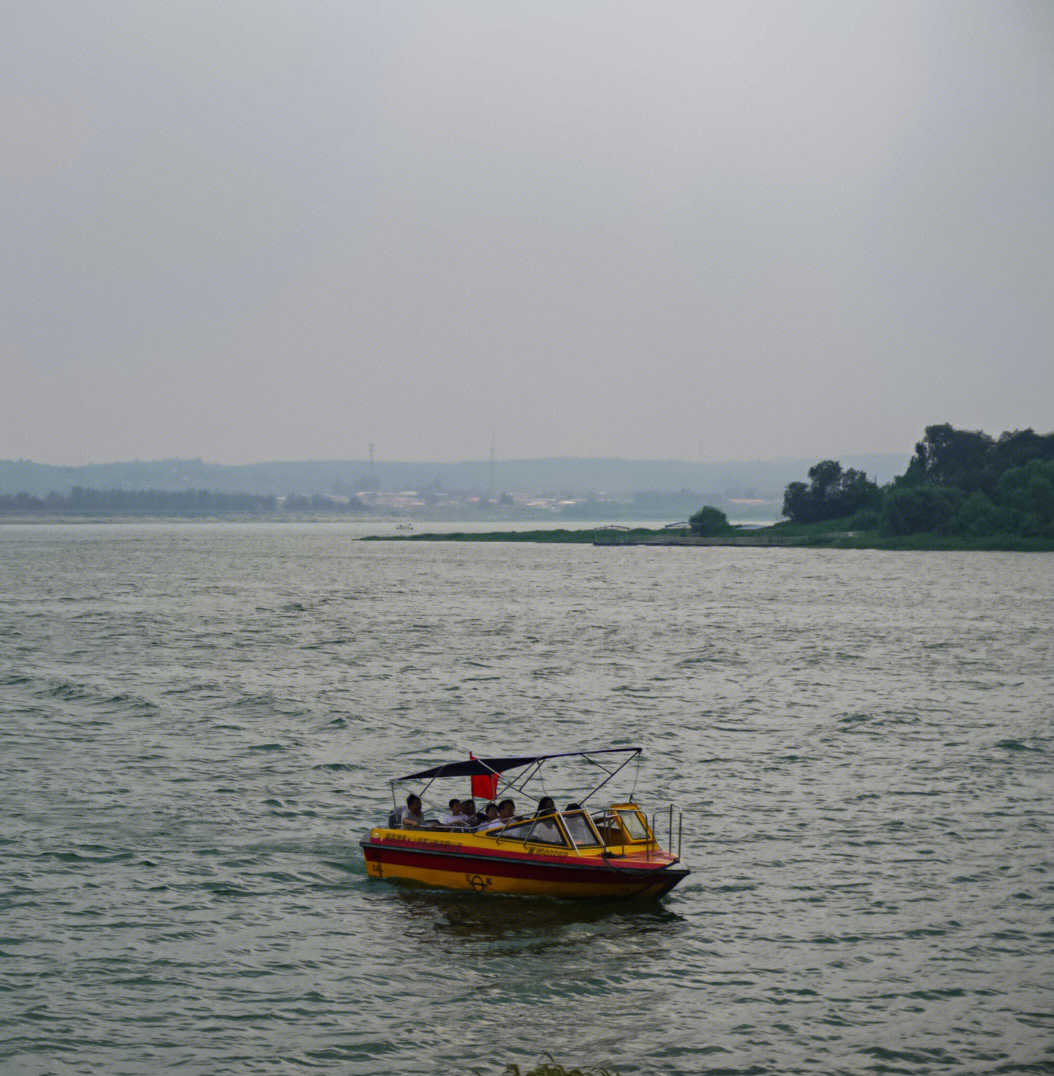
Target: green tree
(1025,498)
(825,475)
(950,457)
(797,505)
(709,522)
(1015,449)
(855,493)
(914,509)
(977,515)
(831,494)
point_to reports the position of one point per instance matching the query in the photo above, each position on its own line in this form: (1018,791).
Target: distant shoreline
(780,536)
(394,521)
(763,539)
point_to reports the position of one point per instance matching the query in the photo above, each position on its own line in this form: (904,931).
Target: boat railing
(616,826)
(613,828)
(671,808)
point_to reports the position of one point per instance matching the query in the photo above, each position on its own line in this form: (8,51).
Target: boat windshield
(540,830)
(580,828)
(634,825)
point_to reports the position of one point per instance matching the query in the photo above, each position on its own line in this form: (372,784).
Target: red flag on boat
(484,785)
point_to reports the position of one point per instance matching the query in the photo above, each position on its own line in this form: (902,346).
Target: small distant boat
(404,526)
(579,852)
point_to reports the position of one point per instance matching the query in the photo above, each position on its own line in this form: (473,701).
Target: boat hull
(449,862)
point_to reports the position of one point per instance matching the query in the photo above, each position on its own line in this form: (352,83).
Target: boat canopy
(473,767)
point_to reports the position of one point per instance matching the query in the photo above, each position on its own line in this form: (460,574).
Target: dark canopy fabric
(473,766)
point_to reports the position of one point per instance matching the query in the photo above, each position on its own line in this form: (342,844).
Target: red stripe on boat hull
(526,873)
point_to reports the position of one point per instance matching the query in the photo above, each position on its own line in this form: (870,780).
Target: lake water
(197,724)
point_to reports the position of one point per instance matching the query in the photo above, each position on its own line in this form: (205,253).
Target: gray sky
(714,231)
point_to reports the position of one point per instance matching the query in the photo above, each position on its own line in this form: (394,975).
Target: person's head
(468,807)
(455,806)
(491,811)
(506,809)
(546,805)
(414,803)
(573,807)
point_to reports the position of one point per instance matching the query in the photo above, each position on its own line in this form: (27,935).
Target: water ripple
(198,725)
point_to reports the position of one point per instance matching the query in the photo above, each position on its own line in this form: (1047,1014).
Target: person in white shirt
(456,817)
(546,830)
(412,816)
(505,813)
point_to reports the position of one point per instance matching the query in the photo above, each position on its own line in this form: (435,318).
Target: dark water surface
(197,724)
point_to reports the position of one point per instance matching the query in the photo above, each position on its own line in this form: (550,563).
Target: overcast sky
(706,231)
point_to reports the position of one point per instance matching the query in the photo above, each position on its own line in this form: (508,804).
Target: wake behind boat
(577,852)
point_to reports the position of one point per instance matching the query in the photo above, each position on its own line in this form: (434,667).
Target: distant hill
(572,476)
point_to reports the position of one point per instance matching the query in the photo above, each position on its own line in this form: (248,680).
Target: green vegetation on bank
(585,536)
(961,489)
(710,522)
(838,534)
(816,535)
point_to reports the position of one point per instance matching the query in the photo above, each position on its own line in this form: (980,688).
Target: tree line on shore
(156,502)
(958,483)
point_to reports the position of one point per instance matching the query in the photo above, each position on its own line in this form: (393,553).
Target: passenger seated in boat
(546,830)
(491,814)
(506,813)
(456,817)
(412,816)
(468,809)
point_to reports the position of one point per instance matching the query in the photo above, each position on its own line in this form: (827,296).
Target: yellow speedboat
(577,852)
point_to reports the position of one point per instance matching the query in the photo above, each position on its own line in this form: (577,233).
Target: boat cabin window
(537,830)
(634,825)
(580,828)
